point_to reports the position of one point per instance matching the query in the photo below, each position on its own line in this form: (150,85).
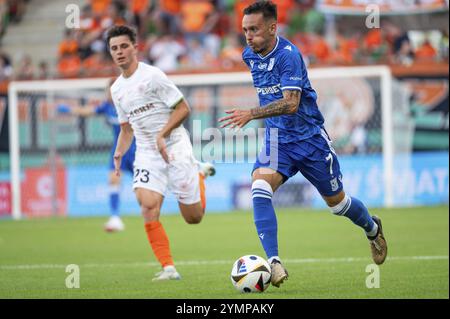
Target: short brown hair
(118,30)
(267,8)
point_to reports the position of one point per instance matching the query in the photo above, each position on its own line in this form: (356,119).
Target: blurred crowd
(196,35)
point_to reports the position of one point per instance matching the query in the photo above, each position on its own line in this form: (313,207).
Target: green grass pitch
(326,256)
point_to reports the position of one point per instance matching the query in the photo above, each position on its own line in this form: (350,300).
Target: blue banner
(419,179)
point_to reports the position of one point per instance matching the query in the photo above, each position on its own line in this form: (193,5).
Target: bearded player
(301,144)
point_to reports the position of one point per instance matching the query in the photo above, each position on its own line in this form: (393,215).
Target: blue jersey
(284,69)
(108,110)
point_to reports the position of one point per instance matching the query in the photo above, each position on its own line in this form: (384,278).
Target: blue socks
(114,200)
(355,210)
(264,217)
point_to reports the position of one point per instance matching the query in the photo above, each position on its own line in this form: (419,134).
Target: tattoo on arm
(287,105)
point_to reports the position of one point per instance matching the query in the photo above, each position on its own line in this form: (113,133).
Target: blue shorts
(314,157)
(127,160)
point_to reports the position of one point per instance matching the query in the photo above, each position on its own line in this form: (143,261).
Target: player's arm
(83,111)
(287,105)
(124,141)
(180,113)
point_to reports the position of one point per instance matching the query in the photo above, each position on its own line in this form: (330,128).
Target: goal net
(59,164)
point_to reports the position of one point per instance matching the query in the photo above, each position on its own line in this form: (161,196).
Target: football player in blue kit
(295,138)
(108,111)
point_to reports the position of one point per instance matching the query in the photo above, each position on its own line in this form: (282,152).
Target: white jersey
(146,100)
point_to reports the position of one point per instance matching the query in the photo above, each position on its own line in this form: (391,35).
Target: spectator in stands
(97,64)
(99,6)
(305,19)
(165,53)
(374,46)
(198,57)
(69,66)
(231,54)
(69,44)
(6,70)
(43,71)
(198,19)
(321,51)
(426,52)
(284,9)
(403,50)
(114,15)
(168,17)
(25,69)
(347,49)
(16,10)
(139,10)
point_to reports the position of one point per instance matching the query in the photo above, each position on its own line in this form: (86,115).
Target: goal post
(47,86)
(208,95)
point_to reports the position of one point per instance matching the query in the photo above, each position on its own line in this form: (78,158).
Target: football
(251,273)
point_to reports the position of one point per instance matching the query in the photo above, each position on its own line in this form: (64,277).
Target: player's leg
(193,212)
(265,182)
(272,168)
(150,181)
(150,203)
(188,185)
(114,222)
(187,180)
(205,169)
(352,208)
(320,165)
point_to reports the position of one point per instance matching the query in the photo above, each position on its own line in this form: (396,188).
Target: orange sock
(159,241)
(201,180)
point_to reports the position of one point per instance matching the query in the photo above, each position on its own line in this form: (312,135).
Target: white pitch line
(218,262)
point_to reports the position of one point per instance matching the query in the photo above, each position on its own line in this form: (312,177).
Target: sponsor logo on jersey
(252,63)
(271,64)
(269,89)
(141,109)
(262,66)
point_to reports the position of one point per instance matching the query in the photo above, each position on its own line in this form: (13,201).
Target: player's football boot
(378,244)
(114,224)
(168,273)
(279,273)
(207,169)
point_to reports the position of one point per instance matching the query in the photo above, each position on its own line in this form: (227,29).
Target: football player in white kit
(152,109)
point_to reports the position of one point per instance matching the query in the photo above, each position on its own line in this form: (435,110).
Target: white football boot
(206,168)
(168,273)
(114,224)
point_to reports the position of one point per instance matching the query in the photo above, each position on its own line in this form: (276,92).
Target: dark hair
(267,8)
(118,30)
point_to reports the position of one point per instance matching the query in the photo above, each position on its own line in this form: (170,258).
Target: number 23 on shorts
(141,175)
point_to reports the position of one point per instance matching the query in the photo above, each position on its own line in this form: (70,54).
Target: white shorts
(180,176)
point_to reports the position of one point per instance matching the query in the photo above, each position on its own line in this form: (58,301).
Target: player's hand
(117,162)
(162,148)
(238,118)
